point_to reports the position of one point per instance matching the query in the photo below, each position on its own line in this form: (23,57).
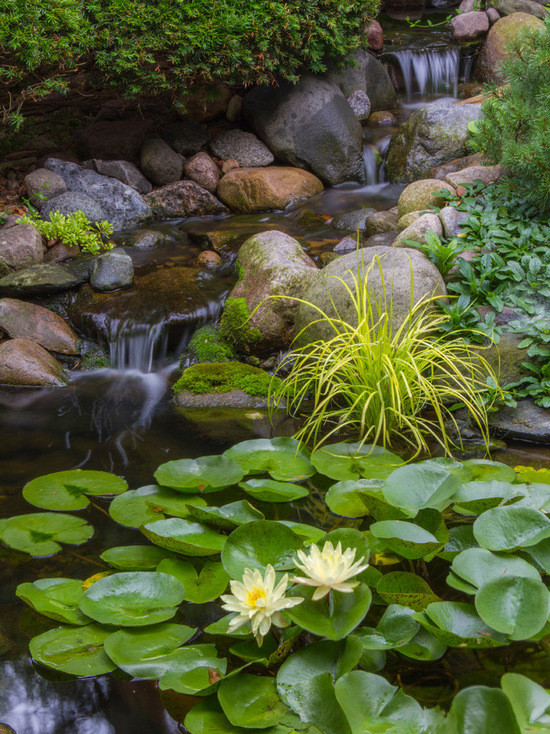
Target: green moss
(222,377)
(235,328)
(206,345)
(240,271)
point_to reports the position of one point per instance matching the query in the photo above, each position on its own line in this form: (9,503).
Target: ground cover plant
(303,624)
(73,230)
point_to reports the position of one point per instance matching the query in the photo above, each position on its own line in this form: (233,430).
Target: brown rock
(20,247)
(115,139)
(229,165)
(382,118)
(209,259)
(183,199)
(24,362)
(469,26)
(375,35)
(472,173)
(202,170)
(260,189)
(20,319)
(60,252)
(455,165)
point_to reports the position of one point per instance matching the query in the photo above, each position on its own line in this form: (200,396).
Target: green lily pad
(133,599)
(258,544)
(284,459)
(185,537)
(395,628)
(461,537)
(309,533)
(540,554)
(415,487)
(424,646)
(509,527)
(345,461)
(67,490)
(194,670)
(406,589)
(147,504)
(413,540)
(346,498)
(228,516)
(473,498)
(479,710)
(478,566)
(530,702)
(251,701)
(221,627)
(55,598)
(487,470)
(268,490)
(201,586)
(40,534)
(517,606)
(75,650)
(459,625)
(149,651)
(248,650)
(207,717)
(206,474)
(135,557)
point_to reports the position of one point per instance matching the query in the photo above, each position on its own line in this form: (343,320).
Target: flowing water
(120,418)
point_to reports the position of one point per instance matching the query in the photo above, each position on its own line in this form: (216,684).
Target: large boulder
(114,139)
(126,172)
(531,7)
(261,189)
(159,162)
(20,247)
(39,280)
(74,201)
(123,206)
(469,26)
(183,199)
(42,185)
(309,125)
(273,264)
(499,45)
(24,362)
(243,147)
(26,320)
(433,135)
(366,74)
(398,272)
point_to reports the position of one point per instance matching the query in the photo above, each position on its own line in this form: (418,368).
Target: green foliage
(513,130)
(206,345)
(167,47)
(72,230)
(235,328)
(442,254)
(224,377)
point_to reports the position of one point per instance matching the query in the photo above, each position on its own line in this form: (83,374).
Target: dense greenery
(146,47)
(426,559)
(222,377)
(73,230)
(514,130)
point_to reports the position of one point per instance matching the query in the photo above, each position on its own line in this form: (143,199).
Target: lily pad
(333,617)
(221,627)
(135,557)
(185,537)
(75,650)
(395,628)
(206,474)
(479,710)
(346,498)
(459,625)
(228,516)
(40,534)
(473,498)
(517,606)
(478,566)
(344,461)
(55,598)
(461,537)
(147,504)
(258,544)
(207,717)
(411,540)
(309,533)
(67,490)
(268,490)
(147,652)
(251,701)
(424,646)
(487,470)
(530,702)
(507,528)
(415,487)
(201,585)
(133,599)
(406,589)
(284,459)
(194,670)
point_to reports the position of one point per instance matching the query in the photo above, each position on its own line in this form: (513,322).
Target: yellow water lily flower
(329,569)
(259,602)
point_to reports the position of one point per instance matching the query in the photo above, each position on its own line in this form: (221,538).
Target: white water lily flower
(259,602)
(329,569)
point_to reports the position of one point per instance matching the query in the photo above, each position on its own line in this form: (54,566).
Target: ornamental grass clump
(380,381)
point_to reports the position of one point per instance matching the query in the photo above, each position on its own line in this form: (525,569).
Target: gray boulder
(24,362)
(159,162)
(309,125)
(352,220)
(125,172)
(380,222)
(360,103)
(532,7)
(526,422)
(39,280)
(42,185)
(399,271)
(273,264)
(183,199)
(71,202)
(451,219)
(123,206)
(243,147)
(368,75)
(20,247)
(186,137)
(113,270)
(433,135)
(416,231)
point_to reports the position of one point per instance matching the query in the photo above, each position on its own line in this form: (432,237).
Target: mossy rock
(206,345)
(235,329)
(224,377)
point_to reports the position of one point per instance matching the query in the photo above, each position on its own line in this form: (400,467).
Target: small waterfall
(135,346)
(429,73)
(374,158)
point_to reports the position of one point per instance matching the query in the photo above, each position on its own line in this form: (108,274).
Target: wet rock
(526,422)
(148,239)
(434,134)
(353,220)
(123,206)
(408,219)
(209,259)
(24,362)
(204,103)
(360,104)
(374,35)
(125,172)
(219,240)
(422,194)
(466,6)
(498,44)
(74,201)
(232,399)
(20,247)
(114,139)
(61,252)
(233,112)
(348,244)
(370,76)
(186,137)
(40,325)
(113,270)
(39,280)
(273,264)
(183,199)
(416,231)
(42,185)
(506,358)
(382,239)
(458,164)
(471,25)
(404,271)
(202,170)
(493,15)
(159,162)
(381,222)
(309,125)
(327,257)
(532,7)
(229,165)
(488,174)
(243,147)
(451,219)
(261,189)
(382,118)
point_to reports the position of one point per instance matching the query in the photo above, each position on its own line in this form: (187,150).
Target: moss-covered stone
(223,377)
(206,345)
(235,329)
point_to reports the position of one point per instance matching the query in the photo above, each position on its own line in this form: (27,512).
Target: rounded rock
(113,270)
(71,202)
(422,194)
(360,104)
(245,148)
(209,260)
(202,170)
(159,162)
(261,189)
(42,185)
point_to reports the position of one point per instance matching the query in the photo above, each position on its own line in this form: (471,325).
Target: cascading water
(374,159)
(134,346)
(428,73)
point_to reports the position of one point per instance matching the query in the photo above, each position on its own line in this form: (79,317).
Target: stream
(120,419)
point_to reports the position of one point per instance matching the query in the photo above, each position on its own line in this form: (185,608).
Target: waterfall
(374,158)
(429,73)
(135,346)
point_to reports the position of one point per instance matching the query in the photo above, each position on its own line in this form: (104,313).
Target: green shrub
(146,47)
(221,377)
(514,130)
(73,230)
